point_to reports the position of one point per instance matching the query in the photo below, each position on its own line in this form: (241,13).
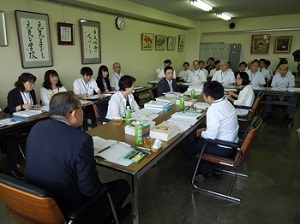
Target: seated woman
(51,86)
(120,100)
(246,95)
(23,96)
(103,79)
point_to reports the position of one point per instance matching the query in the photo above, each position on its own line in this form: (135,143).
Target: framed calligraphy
(65,34)
(3,37)
(34,39)
(90,41)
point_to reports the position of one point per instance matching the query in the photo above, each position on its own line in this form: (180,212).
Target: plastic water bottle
(181,104)
(128,116)
(193,94)
(138,133)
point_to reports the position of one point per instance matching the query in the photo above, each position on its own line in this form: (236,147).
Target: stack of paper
(165,99)
(157,105)
(9,121)
(117,153)
(27,113)
(164,131)
(146,112)
(101,144)
(201,105)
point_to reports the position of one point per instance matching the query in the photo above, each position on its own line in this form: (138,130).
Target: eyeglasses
(74,109)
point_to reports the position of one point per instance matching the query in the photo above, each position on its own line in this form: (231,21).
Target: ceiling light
(224,16)
(202,5)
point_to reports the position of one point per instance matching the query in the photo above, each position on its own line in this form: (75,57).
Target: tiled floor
(271,194)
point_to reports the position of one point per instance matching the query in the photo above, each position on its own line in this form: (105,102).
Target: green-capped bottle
(128,115)
(138,133)
(181,104)
(193,94)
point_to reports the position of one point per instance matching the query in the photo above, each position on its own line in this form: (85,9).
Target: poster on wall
(34,39)
(147,41)
(90,41)
(283,44)
(260,44)
(3,37)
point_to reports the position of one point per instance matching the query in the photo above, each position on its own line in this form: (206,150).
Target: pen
(144,148)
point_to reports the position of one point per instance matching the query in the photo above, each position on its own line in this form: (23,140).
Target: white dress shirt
(283,82)
(197,77)
(225,78)
(80,87)
(46,94)
(161,74)
(256,78)
(266,73)
(205,71)
(221,121)
(212,72)
(185,74)
(117,105)
(114,80)
(245,98)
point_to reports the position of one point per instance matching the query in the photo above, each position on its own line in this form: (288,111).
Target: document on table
(101,144)
(117,153)
(9,121)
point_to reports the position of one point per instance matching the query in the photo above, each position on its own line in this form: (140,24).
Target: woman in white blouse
(120,100)
(51,86)
(246,95)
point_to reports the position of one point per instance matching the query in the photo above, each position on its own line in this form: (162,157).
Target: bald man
(283,79)
(115,76)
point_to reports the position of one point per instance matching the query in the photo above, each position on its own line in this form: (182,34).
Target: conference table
(286,92)
(136,170)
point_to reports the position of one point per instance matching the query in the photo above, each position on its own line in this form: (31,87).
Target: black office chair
(241,150)
(33,205)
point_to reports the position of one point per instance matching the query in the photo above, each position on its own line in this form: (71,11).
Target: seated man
(257,79)
(198,76)
(283,79)
(115,76)
(221,123)
(185,73)
(161,73)
(168,83)
(225,76)
(86,86)
(60,158)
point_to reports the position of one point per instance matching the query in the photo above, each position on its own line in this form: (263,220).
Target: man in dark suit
(168,83)
(60,158)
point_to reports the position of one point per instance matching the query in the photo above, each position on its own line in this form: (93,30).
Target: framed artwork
(3,37)
(171,43)
(260,44)
(160,43)
(181,40)
(65,34)
(34,39)
(90,41)
(147,41)
(283,44)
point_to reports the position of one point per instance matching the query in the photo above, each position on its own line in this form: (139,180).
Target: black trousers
(195,148)
(9,146)
(99,213)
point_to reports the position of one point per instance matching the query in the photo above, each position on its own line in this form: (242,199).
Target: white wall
(218,31)
(123,46)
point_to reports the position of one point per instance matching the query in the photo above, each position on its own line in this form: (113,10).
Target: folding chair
(241,149)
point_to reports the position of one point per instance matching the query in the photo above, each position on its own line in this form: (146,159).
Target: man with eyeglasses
(60,158)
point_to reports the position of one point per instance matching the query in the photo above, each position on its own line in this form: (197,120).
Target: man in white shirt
(265,72)
(161,74)
(115,77)
(256,77)
(86,86)
(217,68)
(198,76)
(221,124)
(283,79)
(185,73)
(224,75)
(202,67)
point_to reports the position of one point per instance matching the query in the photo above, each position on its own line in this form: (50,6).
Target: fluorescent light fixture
(224,16)
(201,5)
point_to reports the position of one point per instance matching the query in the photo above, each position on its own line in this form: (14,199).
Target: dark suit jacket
(14,99)
(101,86)
(60,158)
(163,86)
